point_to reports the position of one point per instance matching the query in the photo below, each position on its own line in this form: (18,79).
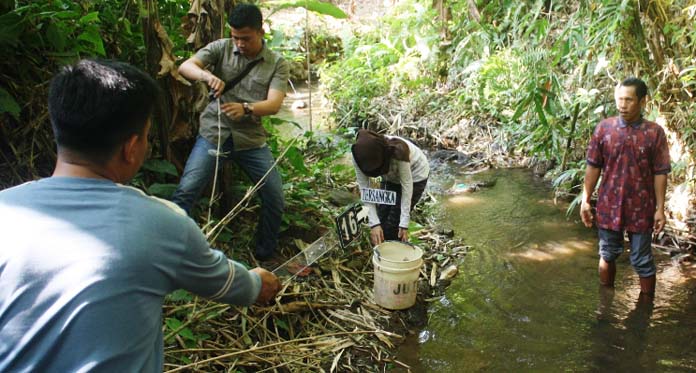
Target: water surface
(527,295)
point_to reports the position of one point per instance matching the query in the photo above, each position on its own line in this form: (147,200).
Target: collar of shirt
(636,124)
(261,55)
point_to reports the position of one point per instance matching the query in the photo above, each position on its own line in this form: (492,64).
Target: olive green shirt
(225,61)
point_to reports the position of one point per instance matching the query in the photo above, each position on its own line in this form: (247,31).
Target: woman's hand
(403,234)
(376,235)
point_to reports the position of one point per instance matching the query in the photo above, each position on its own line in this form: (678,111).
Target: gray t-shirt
(223,59)
(85,265)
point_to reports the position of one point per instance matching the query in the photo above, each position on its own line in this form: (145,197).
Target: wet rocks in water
(446,232)
(442,285)
(449,272)
(461,188)
(447,156)
(460,249)
(299,104)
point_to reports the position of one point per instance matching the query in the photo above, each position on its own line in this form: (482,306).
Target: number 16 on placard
(348,224)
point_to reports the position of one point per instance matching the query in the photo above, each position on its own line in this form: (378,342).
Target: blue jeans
(199,170)
(611,245)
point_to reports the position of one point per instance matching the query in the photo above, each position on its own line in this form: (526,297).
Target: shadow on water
(527,295)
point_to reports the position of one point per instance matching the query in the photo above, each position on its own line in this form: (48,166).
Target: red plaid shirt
(630,156)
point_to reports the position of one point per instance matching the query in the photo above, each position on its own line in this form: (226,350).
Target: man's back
(84,267)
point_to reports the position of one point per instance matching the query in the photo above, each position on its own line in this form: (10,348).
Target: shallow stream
(527,296)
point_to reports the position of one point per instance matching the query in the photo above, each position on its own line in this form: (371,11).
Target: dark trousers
(389,215)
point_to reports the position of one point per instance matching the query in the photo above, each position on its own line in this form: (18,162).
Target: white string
(211,235)
(217,161)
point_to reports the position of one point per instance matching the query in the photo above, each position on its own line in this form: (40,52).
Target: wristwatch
(248,109)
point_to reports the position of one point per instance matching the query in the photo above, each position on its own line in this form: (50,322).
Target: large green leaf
(89,18)
(65,14)
(11,27)
(56,37)
(8,104)
(296,158)
(160,166)
(162,190)
(538,106)
(326,9)
(91,35)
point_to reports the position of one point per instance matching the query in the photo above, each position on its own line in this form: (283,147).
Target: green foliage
(309,161)
(157,177)
(383,62)
(161,167)
(319,7)
(8,104)
(59,28)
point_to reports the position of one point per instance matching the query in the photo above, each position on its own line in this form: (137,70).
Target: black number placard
(348,224)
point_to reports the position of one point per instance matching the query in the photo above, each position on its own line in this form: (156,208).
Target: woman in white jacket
(403,168)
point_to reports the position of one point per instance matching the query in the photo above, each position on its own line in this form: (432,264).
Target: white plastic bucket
(397,266)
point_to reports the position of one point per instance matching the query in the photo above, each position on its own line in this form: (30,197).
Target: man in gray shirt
(85,262)
(237,130)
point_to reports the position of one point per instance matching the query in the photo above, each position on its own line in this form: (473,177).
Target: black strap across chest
(234,81)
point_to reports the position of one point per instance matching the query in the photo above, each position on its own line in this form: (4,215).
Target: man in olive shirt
(238,130)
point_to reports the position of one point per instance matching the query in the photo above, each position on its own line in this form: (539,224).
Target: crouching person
(403,168)
(85,262)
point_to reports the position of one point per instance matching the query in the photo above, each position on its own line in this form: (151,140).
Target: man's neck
(67,167)
(251,57)
(254,55)
(632,122)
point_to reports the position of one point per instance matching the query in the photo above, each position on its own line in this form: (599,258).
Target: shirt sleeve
(280,76)
(364,182)
(661,163)
(406,181)
(594,149)
(209,273)
(211,53)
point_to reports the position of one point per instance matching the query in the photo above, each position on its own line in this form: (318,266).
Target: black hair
(639,84)
(96,105)
(246,15)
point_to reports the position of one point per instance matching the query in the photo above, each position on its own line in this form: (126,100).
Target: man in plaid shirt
(632,155)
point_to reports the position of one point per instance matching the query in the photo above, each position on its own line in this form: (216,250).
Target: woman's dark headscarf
(373,152)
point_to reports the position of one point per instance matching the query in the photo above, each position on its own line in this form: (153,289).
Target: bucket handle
(379,256)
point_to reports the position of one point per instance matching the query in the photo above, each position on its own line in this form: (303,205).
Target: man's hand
(270,285)
(233,110)
(660,220)
(586,214)
(591,177)
(215,83)
(403,234)
(376,235)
